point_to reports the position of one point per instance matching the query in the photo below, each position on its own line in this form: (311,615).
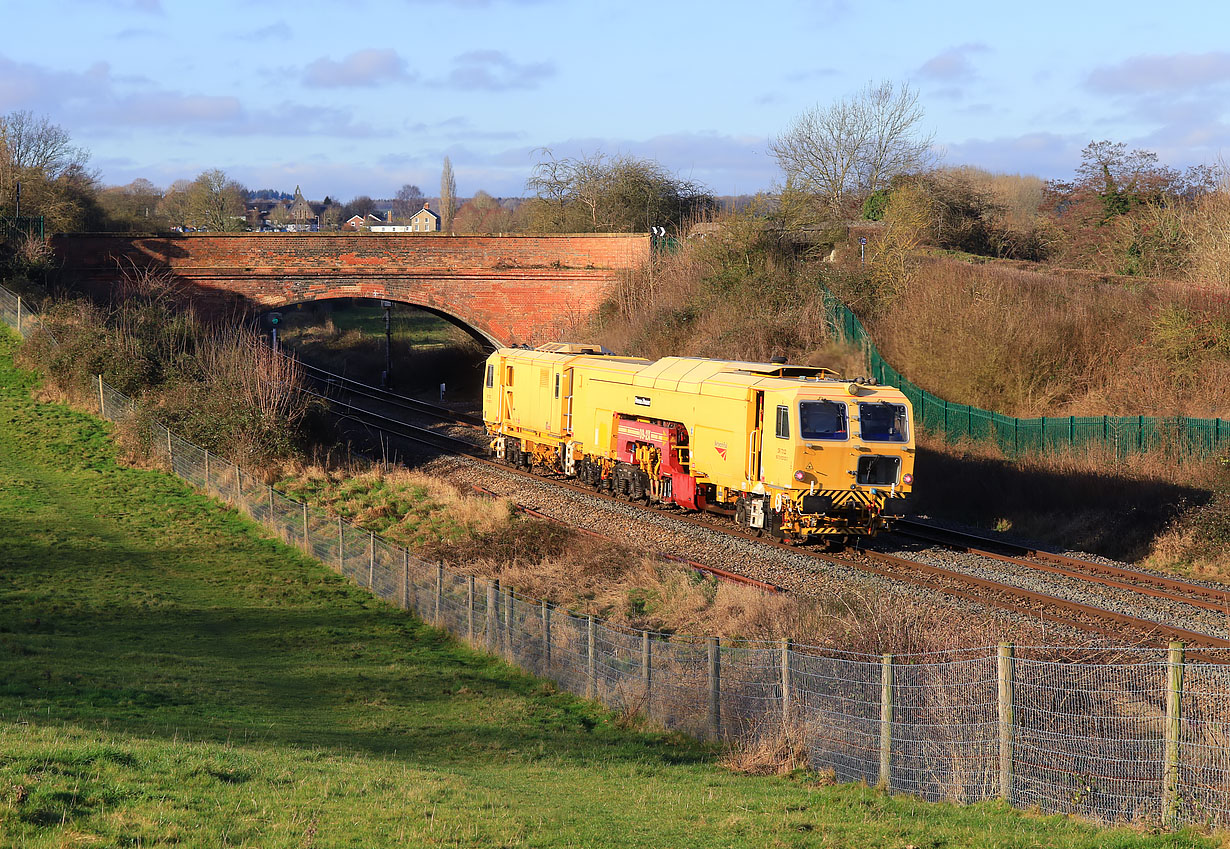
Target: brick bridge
(503,289)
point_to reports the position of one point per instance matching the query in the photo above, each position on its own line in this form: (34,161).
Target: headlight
(907,478)
(798,476)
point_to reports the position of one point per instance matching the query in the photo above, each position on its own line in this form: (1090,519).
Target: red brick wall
(509,288)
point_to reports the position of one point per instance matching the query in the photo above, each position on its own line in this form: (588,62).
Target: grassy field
(170,676)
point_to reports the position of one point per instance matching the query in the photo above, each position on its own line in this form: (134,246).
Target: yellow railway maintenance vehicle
(794,451)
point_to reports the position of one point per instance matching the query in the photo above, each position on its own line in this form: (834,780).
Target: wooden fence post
(886,721)
(239,488)
(271,525)
(405,579)
(591,664)
(170,452)
(787,646)
(341,546)
(19,333)
(493,588)
(102,409)
(307,542)
(1174,722)
(1007,724)
(715,686)
(470,608)
(439,593)
(206,471)
(546,637)
(509,603)
(371,560)
(646,666)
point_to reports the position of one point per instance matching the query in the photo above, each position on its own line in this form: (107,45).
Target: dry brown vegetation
(482,536)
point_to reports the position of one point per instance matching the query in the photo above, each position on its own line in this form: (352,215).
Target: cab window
(490,375)
(822,420)
(883,422)
(783,422)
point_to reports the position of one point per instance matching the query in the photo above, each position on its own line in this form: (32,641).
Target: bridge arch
(470,324)
(509,289)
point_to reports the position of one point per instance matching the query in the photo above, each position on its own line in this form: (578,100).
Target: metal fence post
(715,686)
(470,608)
(1174,722)
(1007,678)
(886,720)
(591,665)
(546,636)
(786,648)
(493,587)
(371,559)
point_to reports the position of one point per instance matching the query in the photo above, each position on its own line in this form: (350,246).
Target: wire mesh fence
(1143,738)
(1179,436)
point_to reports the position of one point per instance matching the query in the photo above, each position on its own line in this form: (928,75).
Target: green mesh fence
(1178,436)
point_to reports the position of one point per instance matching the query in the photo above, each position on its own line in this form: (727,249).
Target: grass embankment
(171,676)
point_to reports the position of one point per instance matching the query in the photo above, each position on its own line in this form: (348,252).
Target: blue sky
(351,97)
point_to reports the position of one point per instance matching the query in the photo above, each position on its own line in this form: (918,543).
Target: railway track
(1145,583)
(952,583)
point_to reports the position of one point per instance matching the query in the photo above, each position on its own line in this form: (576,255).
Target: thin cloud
(1157,74)
(279,31)
(952,65)
(361,69)
(493,70)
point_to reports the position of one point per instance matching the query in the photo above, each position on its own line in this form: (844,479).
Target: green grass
(170,676)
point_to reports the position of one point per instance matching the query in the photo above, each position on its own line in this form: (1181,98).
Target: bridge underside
(504,290)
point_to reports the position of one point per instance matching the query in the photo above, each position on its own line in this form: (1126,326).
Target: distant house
(354,222)
(425,221)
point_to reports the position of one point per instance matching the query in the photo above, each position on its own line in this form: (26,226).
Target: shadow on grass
(1117,516)
(153,646)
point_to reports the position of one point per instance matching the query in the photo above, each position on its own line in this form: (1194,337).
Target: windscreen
(883,422)
(822,420)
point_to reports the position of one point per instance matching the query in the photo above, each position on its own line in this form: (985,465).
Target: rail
(1137,735)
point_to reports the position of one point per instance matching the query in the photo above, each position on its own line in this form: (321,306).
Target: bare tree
(35,143)
(448,196)
(852,147)
(596,192)
(409,200)
(216,202)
